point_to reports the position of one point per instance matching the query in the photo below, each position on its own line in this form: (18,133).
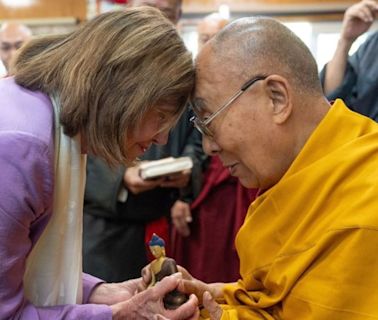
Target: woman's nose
(161,137)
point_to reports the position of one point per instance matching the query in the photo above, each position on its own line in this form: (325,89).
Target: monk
(308,245)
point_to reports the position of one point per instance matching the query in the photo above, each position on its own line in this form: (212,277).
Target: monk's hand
(148,304)
(212,306)
(191,285)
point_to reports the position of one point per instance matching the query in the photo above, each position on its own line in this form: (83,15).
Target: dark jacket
(114,232)
(360,85)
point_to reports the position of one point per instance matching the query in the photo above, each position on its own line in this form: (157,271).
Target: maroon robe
(208,253)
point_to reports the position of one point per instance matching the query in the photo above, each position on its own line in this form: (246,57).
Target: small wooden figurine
(163,266)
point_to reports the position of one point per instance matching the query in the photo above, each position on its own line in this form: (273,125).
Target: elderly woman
(112,88)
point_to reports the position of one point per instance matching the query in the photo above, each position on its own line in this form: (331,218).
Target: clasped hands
(133,300)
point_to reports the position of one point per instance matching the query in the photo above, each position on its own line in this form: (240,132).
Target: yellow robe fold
(309,245)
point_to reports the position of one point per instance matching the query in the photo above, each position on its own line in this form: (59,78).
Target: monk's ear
(278,90)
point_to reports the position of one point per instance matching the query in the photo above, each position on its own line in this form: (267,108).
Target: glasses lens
(202,128)
(198,124)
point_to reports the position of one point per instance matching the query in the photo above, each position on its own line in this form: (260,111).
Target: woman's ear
(279,92)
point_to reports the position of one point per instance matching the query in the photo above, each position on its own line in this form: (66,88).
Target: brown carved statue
(163,266)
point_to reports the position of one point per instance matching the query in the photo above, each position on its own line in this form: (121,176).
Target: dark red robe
(209,253)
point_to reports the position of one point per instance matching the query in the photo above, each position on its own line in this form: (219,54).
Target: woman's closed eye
(162,117)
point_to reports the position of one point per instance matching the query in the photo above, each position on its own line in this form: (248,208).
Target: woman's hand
(111,293)
(206,293)
(189,284)
(149,304)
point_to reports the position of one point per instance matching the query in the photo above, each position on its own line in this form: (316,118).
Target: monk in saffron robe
(308,245)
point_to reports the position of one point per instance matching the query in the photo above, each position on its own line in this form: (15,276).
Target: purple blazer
(26,196)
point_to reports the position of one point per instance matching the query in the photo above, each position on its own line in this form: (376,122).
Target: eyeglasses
(203,125)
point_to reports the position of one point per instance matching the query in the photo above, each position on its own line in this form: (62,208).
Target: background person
(12,36)
(355,78)
(208,27)
(172,9)
(62,101)
(261,109)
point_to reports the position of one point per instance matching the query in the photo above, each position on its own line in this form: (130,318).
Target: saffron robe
(308,246)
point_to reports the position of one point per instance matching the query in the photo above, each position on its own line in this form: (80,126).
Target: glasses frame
(202,125)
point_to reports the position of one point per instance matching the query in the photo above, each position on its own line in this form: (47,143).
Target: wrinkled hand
(111,293)
(149,304)
(134,183)
(176,180)
(358,18)
(191,285)
(181,217)
(210,304)
(188,284)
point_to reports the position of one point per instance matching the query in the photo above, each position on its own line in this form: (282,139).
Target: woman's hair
(108,74)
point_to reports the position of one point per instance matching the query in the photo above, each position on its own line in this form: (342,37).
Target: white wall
(320,37)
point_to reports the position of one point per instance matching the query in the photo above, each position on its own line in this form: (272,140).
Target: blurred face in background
(12,37)
(209,27)
(170,8)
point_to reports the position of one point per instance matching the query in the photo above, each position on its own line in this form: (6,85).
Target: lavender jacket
(26,196)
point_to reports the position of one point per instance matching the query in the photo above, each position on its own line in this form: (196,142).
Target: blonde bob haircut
(108,74)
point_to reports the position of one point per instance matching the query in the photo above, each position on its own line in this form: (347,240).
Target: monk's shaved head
(265,46)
